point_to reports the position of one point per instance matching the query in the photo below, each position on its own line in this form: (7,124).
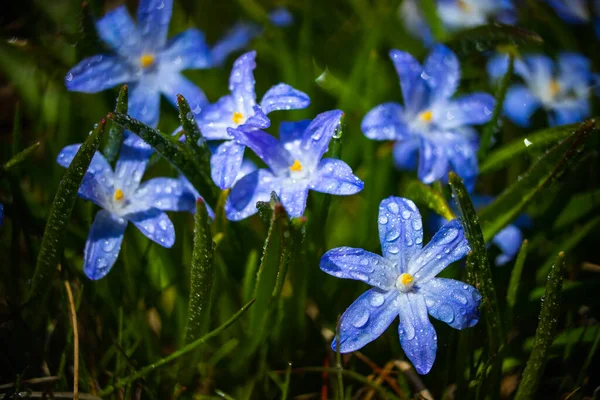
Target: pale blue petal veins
(103,244)
(335,177)
(452,302)
(433,161)
(266,147)
(472,109)
(283,97)
(225,163)
(118,30)
(144,103)
(293,197)
(366,319)
(166,194)
(153,17)
(216,118)
(384,122)
(98,73)
(417,335)
(359,264)
(130,168)
(252,188)
(174,83)
(318,134)
(241,83)
(400,231)
(187,50)
(408,70)
(442,72)
(155,225)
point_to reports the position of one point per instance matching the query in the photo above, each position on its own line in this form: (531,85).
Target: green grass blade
(60,212)
(491,127)
(429,10)
(17,135)
(510,203)
(422,193)
(175,152)
(515,278)
(195,141)
(488,37)
(545,332)
(535,141)
(20,157)
(116,131)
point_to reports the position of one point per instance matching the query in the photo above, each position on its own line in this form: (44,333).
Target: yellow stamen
(464,5)
(426,116)
(119,195)
(146,60)
(406,279)
(296,166)
(554,87)
(237,117)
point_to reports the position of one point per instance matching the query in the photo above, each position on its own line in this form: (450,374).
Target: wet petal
(118,30)
(235,39)
(155,225)
(366,319)
(290,133)
(406,154)
(153,17)
(400,231)
(144,103)
(103,244)
(569,112)
(509,242)
(335,177)
(225,163)
(317,136)
(408,70)
(452,302)
(447,245)
(472,109)
(361,265)
(283,97)
(293,197)
(166,194)
(130,168)
(433,161)
(384,123)
(216,118)
(174,83)
(188,50)
(254,187)
(99,166)
(417,335)
(520,104)
(241,83)
(98,73)
(442,72)
(266,147)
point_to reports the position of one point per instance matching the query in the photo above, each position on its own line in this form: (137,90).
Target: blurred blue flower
(562,89)
(431,123)
(456,15)
(239,110)
(1,213)
(295,166)
(144,59)
(123,199)
(573,11)
(405,284)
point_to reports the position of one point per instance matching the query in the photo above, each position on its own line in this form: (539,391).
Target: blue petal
(144,103)
(405,154)
(462,155)
(254,187)
(335,177)
(281,17)
(569,112)
(472,109)
(155,225)
(452,302)
(366,319)
(98,73)
(258,120)
(433,161)
(130,168)
(442,72)
(174,83)
(188,50)
(509,242)
(293,197)
(384,122)
(225,163)
(266,147)
(417,335)
(216,118)
(572,11)
(574,66)
(1,214)
(447,245)
(166,194)
(103,244)
(153,17)
(317,136)
(400,231)
(409,71)
(497,67)
(235,39)
(291,132)
(99,166)
(520,104)
(117,29)
(361,265)
(540,68)
(283,97)
(190,188)
(414,22)
(241,83)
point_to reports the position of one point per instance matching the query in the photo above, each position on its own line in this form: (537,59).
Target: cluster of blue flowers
(433,132)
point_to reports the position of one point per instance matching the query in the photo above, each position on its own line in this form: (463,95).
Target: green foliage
(483,38)
(116,131)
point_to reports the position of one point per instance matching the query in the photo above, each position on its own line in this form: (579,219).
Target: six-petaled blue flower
(405,284)
(239,110)
(562,89)
(124,200)
(295,167)
(431,123)
(456,15)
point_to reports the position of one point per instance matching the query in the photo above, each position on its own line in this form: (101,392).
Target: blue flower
(562,89)
(145,60)
(239,110)
(430,123)
(572,11)
(405,284)
(124,200)
(1,213)
(295,166)
(456,15)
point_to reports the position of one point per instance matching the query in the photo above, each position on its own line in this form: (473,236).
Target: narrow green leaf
(515,278)
(491,127)
(201,284)
(579,205)
(422,193)
(567,245)
(545,332)
(176,354)
(429,10)
(20,157)
(116,131)
(483,273)
(17,135)
(533,142)
(510,203)
(334,152)
(60,212)
(588,360)
(195,141)
(174,151)
(286,383)
(488,37)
